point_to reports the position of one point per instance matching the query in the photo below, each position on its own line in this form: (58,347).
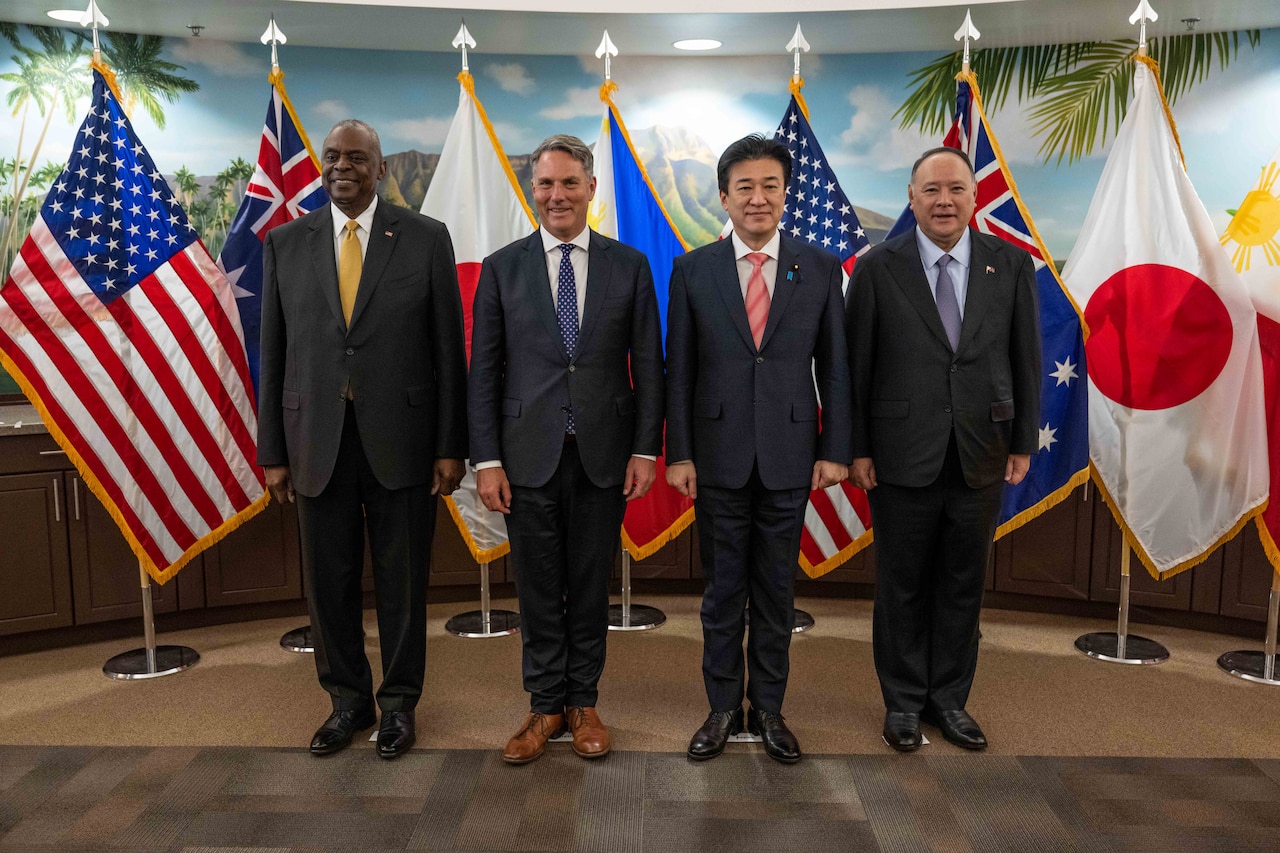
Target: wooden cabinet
(1246,577)
(258,561)
(672,560)
(1050,554)
(34,564)
(104,569)
(451,562)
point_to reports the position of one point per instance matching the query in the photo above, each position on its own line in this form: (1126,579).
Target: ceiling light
(71,16)
(695,44)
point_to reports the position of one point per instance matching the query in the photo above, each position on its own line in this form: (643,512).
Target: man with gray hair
(566,405)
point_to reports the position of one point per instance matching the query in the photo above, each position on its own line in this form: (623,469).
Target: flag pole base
(632,617)
(1104,645)
(637,617)
(298,640)
(471,624)
(135,664)
(1251,666)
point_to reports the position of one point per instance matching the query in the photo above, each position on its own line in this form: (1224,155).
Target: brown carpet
(1035,694)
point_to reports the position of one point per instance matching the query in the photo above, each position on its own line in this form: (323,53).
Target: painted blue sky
(1230,125)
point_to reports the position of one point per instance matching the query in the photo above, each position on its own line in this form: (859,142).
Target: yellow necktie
(349,266)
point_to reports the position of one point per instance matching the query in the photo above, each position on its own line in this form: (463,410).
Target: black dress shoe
(779,742)
(902,730)
(336,732)
(957,727)
(709,741)
(395,733)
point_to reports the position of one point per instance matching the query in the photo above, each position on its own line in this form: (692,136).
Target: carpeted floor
(1085,756)
(1035,694)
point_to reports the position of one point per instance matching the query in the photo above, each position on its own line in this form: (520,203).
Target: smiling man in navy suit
(944,348)
(752,320)
(362,419)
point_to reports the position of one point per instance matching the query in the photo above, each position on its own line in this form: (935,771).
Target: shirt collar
(549,241)
(741,249)
(365,218)
(930,251)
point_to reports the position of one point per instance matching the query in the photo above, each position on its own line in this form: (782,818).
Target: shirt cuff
(645,456)
(492,463)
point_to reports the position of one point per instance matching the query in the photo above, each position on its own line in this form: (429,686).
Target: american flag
(837,521)
(124,335)
(1062,460)
(284,186)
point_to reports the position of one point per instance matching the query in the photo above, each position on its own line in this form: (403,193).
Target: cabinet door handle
(75,493)
(53,453)
(57,514)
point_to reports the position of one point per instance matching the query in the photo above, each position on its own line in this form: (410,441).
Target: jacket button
(564,409)
(351,351)
(572,368)
(947,410)
(759,359)
(954,368)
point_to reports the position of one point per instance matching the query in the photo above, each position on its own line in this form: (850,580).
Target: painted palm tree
(62,65)
(144,77)
(27,86)
(184,181)
(1079,91)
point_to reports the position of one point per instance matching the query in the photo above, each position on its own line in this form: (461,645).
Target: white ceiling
(647,27)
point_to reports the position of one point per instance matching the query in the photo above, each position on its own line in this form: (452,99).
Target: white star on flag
(1046,437)
(1065,373)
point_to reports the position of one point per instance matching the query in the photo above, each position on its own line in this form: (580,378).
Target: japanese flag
(1177,425)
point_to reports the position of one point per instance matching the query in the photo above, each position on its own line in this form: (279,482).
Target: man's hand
(494,490)
(684,479)
(446,477)
(639,478)
(280,483)
(1016,468)
(863,473)
(827,474)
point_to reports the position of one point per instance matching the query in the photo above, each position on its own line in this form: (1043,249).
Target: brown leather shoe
(528,743)
(590,737)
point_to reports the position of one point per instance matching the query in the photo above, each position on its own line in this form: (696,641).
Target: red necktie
(757,297)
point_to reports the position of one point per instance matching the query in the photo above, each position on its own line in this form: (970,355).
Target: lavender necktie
(948,306)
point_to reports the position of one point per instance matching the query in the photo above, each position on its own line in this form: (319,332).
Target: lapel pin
(991,270)
(793,272)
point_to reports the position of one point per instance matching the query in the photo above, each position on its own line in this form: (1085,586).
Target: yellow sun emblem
(1256,223)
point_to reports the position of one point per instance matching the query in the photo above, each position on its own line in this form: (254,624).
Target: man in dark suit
(362,416)
(566,424)
(751,321)
(944,347)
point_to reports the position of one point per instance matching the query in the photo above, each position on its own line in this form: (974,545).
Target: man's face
(562,192)
(942,196)
(351,169)
(755,199)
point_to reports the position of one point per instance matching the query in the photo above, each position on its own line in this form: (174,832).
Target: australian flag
(1062,460)
(284,186)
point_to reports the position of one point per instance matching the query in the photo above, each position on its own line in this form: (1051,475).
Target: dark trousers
(750,543)
(400,524)
(564,537)
(932,546)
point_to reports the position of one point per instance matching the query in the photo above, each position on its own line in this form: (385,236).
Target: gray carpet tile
(244,800)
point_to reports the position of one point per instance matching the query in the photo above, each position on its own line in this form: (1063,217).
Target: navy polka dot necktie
(567,310)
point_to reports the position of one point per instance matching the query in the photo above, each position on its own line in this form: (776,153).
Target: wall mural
(198,104)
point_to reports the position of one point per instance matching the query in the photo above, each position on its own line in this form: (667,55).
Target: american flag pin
(389,234)
(990,270)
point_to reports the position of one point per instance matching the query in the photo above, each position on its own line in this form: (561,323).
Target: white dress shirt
(769,269)
(577,259)
(958,269)
(362,233)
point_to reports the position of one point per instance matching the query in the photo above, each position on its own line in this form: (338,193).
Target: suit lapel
(725,268)
(320,241)
(383,233)
(783,287)
(537,287)
(978,294)
(907,270)
(598,279)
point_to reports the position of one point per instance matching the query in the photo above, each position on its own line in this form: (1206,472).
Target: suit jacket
(403,354)
(910,391)
(522,382)
(730,406)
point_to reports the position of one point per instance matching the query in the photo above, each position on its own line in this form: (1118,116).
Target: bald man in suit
(362,420)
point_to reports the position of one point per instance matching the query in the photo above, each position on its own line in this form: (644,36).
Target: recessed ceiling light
(695,44)
(72,16)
